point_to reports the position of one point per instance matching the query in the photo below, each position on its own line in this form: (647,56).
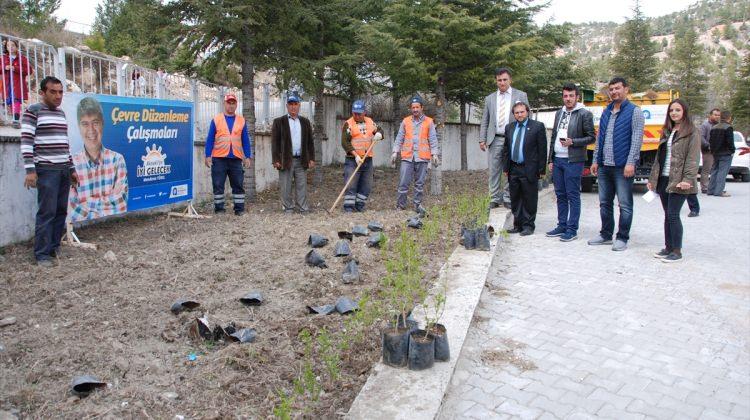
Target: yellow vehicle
(654,106)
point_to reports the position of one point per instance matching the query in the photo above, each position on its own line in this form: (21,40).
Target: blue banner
(129,153)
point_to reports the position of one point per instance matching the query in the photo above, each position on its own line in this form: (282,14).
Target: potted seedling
(399,285)
(433,313)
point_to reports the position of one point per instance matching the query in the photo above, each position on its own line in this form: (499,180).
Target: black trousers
(524,196)
(672,204)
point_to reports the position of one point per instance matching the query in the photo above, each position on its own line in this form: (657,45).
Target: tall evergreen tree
(634,52)
(740,102)
(685,67)
(245,34)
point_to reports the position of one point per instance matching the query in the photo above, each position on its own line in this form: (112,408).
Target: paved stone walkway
(566,330)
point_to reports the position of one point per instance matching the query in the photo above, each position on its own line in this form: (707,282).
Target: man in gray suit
(498,112)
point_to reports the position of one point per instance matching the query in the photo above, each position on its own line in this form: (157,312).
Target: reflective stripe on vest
(407,149)
(361,142)
(223,139)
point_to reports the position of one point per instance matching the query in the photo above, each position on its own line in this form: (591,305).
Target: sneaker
(45,263)
(599,241)
(348,210)
(16,125)
(239,212)
(619,245)
(693,214)
(507,205)
(663,253)
(672,257)
(219,211)
(568,236)
(494,204)
(526,232)
(724,194)
(514,230)
(558,231)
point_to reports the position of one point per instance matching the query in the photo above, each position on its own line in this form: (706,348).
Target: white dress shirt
(295,130)
(502,120)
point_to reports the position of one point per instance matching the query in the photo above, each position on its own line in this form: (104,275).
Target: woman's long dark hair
(686,125)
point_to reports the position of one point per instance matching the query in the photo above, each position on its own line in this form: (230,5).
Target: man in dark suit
(293,153)
(524,157)
(497,114)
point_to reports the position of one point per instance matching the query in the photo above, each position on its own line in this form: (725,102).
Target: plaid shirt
(103,186)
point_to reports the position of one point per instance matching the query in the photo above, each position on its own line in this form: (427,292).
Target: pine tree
(634,52)
(740,102)
(686,63)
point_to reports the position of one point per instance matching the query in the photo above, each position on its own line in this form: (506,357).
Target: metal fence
(93,72)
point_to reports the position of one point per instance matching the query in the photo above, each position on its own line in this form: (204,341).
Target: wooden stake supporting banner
(71,239)
(190,213)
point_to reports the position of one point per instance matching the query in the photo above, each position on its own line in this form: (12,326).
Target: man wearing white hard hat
(357,135)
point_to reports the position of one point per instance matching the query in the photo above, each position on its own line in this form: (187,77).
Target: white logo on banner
(178,191)
(154,164)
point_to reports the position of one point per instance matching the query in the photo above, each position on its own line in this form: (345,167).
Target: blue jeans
(53,187)
(719,172)
(567,179)
(359,190)
(220,169)
(611,182)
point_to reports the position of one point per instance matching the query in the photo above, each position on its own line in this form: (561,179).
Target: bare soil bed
(111,319)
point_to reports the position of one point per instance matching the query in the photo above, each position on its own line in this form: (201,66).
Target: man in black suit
(524,157)
(293,153)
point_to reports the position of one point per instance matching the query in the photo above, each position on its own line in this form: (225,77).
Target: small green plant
(308,380)
(403,283)
(283,410)
(329,354)
(433,310)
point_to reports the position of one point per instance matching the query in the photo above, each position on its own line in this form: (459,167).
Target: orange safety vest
(361,142)
(423,149)
(224,139)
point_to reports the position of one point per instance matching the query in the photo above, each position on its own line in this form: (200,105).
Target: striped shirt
(102,186)
(44,138)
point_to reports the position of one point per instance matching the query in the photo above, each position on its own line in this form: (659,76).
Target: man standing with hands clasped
(498,112)
(525,157)
(616,155)
(417,144)
(228,148)
(572,132)
(292,153)
(49,167)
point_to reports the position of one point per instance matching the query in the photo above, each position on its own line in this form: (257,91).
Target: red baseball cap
(230,97)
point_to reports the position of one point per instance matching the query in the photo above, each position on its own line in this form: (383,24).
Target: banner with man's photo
(130,153)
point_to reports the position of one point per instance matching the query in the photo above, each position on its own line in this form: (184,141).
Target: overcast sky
(81,13)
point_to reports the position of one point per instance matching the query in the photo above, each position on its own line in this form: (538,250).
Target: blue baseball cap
(358,107)
(293,97)
(416,99)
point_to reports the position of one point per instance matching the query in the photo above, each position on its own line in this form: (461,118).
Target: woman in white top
(674,174)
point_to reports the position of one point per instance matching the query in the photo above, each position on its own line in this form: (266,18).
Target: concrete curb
(392,393)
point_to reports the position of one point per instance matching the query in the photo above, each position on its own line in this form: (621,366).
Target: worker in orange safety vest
(228,149)
(357,135)
(417,145)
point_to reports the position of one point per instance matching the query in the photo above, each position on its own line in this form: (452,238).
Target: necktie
(501,111)
(517,144)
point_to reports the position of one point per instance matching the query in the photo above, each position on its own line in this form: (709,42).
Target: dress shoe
(693,214)
(514,230)
(526,232)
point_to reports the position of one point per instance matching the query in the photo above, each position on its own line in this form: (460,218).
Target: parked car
(741,161)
